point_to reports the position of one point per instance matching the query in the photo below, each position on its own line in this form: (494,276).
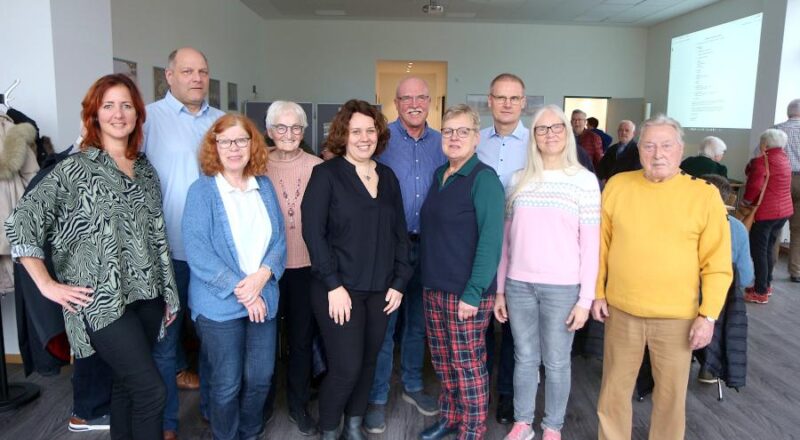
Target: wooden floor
(767,408)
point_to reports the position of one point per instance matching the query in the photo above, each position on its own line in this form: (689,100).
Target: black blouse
(354,240)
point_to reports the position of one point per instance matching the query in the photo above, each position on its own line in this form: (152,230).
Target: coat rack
(17,394)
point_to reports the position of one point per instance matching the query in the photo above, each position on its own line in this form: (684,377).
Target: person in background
(462,234)
(413,153)
(590,142)
(792,129)
(548,268)
(622,156)
(289,170)
(708,159)
(772,168)
(236,250)
(115,284)
(172,134)
(355,230)
(592,124)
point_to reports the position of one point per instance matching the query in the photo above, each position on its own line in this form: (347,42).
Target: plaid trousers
(458,354)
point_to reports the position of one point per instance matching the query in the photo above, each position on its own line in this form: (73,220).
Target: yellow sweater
(659,242)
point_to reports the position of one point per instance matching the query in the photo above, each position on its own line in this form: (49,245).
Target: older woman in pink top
(289,170)
(548,268)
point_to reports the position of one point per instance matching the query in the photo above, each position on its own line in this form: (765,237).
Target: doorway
(389,73)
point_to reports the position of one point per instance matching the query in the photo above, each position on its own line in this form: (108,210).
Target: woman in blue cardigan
(236,250)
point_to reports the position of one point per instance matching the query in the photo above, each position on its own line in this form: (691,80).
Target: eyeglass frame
(456,131)
(508,99)
(538,132)
(407,99)
(226,144)
(295,129)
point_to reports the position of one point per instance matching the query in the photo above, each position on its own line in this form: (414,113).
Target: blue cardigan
(212,257)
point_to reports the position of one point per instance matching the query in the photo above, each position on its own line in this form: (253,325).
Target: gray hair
(712,147)
(278,108)
(772,137)
(793,109)
(174,54)
(462,109)
(659,120)
(628,122)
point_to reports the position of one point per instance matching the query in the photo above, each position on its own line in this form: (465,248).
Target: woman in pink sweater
(548,268)
(289,170)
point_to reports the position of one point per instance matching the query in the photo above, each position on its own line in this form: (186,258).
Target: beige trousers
(625,339)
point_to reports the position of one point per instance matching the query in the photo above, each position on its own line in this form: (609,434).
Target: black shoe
(795,279)
(352,428)
(505,410)
(305,423)
(438,430)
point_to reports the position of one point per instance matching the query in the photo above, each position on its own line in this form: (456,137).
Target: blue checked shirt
(792,130)
(506,154)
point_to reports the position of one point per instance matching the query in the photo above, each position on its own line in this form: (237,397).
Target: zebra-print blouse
(107,232)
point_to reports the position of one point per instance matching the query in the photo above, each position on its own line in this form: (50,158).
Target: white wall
(228,32)
(334,60)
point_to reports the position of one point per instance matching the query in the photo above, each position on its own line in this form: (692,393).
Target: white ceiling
(596,12)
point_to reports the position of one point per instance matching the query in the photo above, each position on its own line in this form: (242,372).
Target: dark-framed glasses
(282,129)
(541,130)
(242,142)
(514,100)
(406,99)
(461,132)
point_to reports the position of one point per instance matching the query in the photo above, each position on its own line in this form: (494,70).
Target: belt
(413,237)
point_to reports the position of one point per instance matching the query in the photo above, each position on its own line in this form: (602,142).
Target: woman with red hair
(236,250)
(101,211)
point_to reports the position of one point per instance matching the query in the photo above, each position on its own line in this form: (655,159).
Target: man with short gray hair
(792,129)
(622,156)
(663,236)
(172,134)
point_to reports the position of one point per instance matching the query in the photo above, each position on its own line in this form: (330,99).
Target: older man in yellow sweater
(664,238)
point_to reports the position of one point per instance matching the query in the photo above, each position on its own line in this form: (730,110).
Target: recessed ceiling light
(330,12)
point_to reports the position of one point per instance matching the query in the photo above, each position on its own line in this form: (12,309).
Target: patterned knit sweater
(552,234)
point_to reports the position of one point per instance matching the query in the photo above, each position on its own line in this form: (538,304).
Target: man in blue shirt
(504,147)
(172,134)
(413,153)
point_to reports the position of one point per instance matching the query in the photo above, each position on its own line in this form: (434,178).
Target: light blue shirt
(413,161)
(172,137)
(506,154)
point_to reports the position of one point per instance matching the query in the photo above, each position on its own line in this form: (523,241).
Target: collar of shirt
(463,171)
(102,157)
(252,185)
(178,106)
(402,129)
(519,132)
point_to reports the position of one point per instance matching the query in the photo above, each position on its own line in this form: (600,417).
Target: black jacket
(612,163)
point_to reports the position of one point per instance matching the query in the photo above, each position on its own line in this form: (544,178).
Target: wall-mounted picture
(127,68)
(160,85)
(213,93)
(233,97)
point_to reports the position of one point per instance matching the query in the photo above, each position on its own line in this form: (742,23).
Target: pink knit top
(290,177)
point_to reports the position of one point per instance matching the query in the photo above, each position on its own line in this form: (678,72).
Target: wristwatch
(708,318)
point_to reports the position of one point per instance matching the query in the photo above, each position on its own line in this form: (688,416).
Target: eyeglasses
(242,142)
(541,130)
(514,100)
(409,99)
(461,132)
(282,129)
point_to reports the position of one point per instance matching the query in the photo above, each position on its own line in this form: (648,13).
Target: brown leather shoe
(170,435)
(187,380)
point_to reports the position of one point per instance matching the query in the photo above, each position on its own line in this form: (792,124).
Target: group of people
(178,207)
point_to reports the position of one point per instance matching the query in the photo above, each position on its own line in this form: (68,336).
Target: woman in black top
(355,230)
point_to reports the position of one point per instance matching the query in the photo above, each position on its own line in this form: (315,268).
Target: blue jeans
(412,340)
(168,352)
(538,313)
(240,356)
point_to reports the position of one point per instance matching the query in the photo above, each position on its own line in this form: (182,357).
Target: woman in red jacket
(775,208)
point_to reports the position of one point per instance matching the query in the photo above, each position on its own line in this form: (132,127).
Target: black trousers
(352,350)
(92,380)
(138,393)
(763,236)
